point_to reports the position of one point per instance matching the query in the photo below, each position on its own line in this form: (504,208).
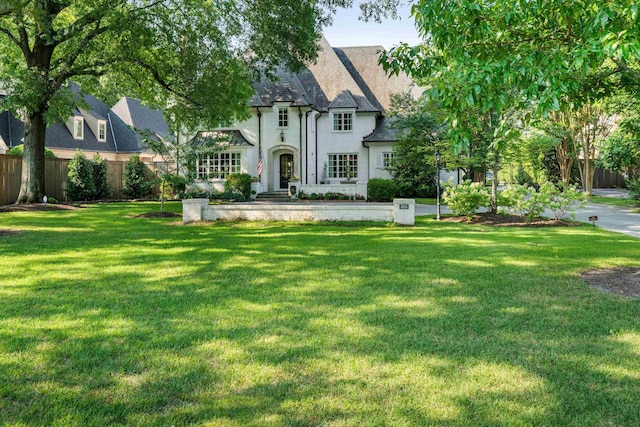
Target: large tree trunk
(565,162)
(32,185)
(495,167)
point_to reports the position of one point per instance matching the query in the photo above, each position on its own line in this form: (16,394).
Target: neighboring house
(322,125)
(96,129)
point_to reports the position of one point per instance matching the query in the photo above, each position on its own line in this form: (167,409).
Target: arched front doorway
(286,170)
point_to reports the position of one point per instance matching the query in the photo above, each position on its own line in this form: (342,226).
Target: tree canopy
(550,52)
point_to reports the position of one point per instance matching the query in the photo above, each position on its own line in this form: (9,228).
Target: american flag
(260,164)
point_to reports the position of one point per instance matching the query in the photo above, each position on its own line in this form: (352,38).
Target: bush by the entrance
(239,183)
(381,190)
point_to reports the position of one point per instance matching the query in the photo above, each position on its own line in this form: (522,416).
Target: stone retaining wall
(402,211)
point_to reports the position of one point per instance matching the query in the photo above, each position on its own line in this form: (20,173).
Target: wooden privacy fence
(55,172)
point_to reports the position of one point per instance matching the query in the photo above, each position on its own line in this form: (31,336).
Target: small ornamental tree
(137,182)
(80,182)
(100,177)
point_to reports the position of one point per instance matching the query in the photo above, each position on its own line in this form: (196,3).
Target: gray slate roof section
(344,100)
(315,94)
(284,88)
(237,139)
(384,132)
(11,129)
(127,140)
(132,112)
(58,135)
(347,100)
(362,84)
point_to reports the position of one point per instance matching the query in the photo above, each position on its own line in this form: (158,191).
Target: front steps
(273,196)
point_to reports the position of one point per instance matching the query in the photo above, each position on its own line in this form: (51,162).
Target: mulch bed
(36,207)
(158,215)
(619,281)
(508,220)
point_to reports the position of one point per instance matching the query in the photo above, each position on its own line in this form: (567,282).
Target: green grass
(428,201)
(108,319)
(602,200)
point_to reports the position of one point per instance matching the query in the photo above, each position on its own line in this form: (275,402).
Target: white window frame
(337,165)
(219,165)
(78,125)
(102,130)
(283,117)
(342,121)
(384,159)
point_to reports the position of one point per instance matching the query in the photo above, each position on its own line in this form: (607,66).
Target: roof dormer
(96,123)
(75,124)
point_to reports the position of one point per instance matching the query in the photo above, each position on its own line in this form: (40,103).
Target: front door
(286,170)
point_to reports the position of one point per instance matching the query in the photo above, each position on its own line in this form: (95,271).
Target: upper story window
(102,131)
(283,117)
(342,122)
(78,127)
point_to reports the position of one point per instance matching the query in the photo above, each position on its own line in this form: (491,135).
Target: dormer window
(102,131)
(78,128)
(283,117)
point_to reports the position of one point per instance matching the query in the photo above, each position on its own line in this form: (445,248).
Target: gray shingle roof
(132,112)
(223,137)
(58,135)
(284,88)
(384,132)
(11,129)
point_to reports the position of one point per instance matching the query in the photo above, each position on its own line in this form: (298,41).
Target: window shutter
(380,160)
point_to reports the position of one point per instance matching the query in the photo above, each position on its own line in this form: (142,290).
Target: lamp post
(438,158)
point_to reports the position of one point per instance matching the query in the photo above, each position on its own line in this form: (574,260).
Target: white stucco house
(322,128)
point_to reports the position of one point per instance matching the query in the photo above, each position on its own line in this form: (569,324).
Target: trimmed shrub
(18,150)
(239,183)
(80,183)
(100,177)
(137,182)
(466,198)
(381,190)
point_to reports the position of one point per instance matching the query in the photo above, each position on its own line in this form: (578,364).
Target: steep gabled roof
(119,137)
(365,61)
(331,74)
(359,80)
(284,88)
(133,113)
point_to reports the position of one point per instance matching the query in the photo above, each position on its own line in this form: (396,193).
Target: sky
(347,30)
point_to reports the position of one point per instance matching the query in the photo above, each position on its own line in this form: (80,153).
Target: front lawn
(109,319)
